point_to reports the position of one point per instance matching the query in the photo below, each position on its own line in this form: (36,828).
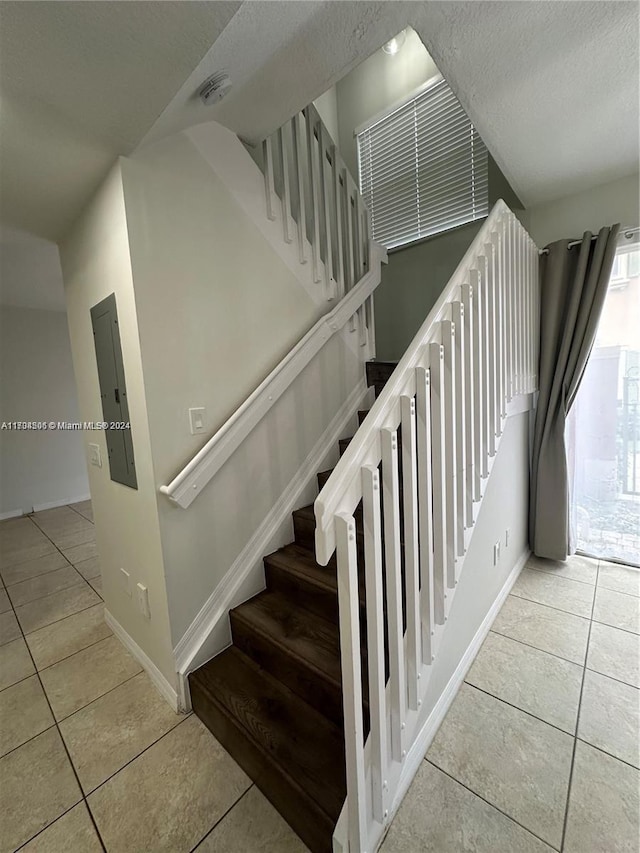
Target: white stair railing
(309,187)
(320,204)
(446,403)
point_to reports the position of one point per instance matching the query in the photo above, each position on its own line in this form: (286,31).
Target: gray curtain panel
(573,286)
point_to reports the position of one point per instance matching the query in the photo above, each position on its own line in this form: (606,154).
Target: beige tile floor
(91,757)
(540,749)
(527,759)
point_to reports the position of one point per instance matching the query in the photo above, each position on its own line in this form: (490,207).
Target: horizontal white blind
(423,169)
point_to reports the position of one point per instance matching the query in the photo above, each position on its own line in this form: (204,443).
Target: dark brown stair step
(294,572)
(323,476)
(299,648)
(362,414)
(378,372)
(293,754)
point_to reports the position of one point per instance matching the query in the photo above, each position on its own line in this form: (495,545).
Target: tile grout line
(555,575)
(222,817)
(575,739)
(135,757)
(47,594)
(551,607)
(522,710)
(610,754)
(537,648)
(64,746)
(489,803)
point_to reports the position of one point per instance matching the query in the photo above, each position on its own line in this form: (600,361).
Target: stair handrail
(336,227)
(476,350)
(194,476)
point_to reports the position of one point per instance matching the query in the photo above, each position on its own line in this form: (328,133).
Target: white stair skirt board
(235,167)
(161,683)
(426,734)
(210,633)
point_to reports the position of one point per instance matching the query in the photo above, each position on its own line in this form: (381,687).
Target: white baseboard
(162,684)
(428,731)
(208,634)
(12,513)
(65,502)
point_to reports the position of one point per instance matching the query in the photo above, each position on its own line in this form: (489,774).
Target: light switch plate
(126,581)
(143,600)
(95,457)
(196,421)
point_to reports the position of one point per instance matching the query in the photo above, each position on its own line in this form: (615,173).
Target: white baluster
(391,505)
(510,313)
(479,462)
(325,181)
(298,128)
(286,187)
(457,315)
(375,634)
(490,288)
(349,614)
(425,509)
(269,188)
(484,350)
(314,191)
(339,178)
(469,378)
(447,332)
(412,569)
(499,324)
(440,520)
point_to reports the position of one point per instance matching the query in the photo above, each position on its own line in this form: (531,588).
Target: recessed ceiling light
(394,44)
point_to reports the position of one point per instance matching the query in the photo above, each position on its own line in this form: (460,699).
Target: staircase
(274,698)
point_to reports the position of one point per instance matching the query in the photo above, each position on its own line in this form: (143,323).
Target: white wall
(504,506)
(327,106)
(570,217)
(38,468)
(217,309)
(95,262)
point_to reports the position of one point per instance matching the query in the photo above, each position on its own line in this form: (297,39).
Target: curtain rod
(624,232)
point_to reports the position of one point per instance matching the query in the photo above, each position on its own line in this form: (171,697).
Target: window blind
(423,169)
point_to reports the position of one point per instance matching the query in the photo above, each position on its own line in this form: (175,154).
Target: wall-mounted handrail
(436,427)
(195,475)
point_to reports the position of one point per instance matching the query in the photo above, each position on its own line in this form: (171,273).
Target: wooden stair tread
(302,561)
(299,633)
(300,742)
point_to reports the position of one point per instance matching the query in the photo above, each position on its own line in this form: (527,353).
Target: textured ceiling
(552,86)
(81,83)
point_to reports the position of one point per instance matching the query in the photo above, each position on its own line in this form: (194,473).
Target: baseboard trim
(65,502)
(12,513)
(426,735)
(162,684)
(217,606)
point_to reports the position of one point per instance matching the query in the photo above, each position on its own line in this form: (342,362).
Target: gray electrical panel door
(113,391)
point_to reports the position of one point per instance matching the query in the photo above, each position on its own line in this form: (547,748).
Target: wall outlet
(143,600)
(196,421)
(496,554)
(95,457)
(125,577)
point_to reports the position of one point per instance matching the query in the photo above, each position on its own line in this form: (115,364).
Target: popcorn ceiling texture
(551,86)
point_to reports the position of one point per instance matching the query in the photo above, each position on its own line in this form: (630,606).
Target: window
(625,267)
(423,168)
